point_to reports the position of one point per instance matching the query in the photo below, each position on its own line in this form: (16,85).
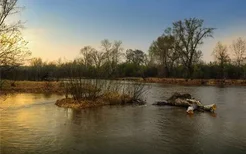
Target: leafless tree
(13,48)
(97,58)
(106,48)
(8,8)
(239,50)
(164,53)
(117,52)
(189,35)
(221,56)
(112,54)
(86,53)
(136,57)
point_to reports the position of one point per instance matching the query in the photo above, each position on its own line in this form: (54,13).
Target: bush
(114,92)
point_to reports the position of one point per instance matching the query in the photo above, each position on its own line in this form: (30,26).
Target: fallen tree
(185,100)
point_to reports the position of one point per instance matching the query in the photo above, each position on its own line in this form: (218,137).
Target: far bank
(57,86)
(190,82)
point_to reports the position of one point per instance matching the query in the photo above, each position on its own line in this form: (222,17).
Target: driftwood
(185,100)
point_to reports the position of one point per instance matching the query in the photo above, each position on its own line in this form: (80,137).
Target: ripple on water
(34,124)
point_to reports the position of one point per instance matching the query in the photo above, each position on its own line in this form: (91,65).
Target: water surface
(31,123)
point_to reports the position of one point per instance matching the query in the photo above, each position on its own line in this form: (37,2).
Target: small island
(105,99)
(82,93)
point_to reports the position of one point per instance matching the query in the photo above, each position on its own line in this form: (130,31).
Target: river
(31,123)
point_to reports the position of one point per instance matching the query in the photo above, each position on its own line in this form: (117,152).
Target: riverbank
(57,87)
(189,82)
(32,87)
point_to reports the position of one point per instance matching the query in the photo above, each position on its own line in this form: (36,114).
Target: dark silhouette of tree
(189,35)
(112,55)
(13,48)
(136,57)
(163,52)
(86,53)
(8,8)
(239,50)
(221,57)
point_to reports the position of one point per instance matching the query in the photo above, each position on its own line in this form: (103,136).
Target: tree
(36,65)
(189,35)
(164,53)
(239,50)
(221,56)
(116,52)
(8,8)
(97,58)
(112,55)
(86,53)
(13,48)
(36,62)
(136,57)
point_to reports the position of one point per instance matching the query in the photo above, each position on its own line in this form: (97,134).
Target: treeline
(136,64)
(51,71)
(174,54)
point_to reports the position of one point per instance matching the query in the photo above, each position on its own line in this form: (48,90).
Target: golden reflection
(14,101)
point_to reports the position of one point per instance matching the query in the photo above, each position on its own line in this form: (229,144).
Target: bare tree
(37,64)
(117,52)
(239,50)
(221,56)
(112,55)
(189,35)
(86,53)
(13,48)
(97,58)
(106,48)
(136,57)
(8,8)
(163,50)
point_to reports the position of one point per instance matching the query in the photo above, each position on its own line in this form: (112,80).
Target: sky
(60,28)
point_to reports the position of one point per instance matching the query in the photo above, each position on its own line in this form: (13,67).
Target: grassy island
(82,93)
(105,99)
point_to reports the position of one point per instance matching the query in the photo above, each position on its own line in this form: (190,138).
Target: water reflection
(33,124)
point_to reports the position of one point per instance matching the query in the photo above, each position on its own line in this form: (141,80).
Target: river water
(31,123)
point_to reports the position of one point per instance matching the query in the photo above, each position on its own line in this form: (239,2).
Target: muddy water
(31,123)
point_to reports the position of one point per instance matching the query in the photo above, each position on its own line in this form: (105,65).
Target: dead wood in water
(185,100)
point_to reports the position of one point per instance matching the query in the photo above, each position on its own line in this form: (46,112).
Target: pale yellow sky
(50,50)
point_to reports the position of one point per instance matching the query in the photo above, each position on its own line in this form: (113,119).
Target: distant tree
(189,35)
(136,57)
(97,58)
(36,65)
(221,56)
(112,55)
(117,52)
(239,50)
(163,52)
(86,53)
(36,62)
